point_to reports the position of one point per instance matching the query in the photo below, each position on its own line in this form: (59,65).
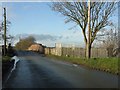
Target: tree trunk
(88,50)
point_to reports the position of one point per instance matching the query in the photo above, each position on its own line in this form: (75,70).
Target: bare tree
(0,26)
(8,23)
(78,12)
(110,41)
(25,43)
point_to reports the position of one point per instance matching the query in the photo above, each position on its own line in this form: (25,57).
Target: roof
(35,47)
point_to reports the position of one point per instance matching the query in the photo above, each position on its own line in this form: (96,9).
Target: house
(37,48)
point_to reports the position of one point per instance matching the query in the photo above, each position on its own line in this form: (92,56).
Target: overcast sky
(37,19)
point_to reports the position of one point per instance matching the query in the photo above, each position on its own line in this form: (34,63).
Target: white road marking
(75,65)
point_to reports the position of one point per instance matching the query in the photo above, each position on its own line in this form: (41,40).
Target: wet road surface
(35,71)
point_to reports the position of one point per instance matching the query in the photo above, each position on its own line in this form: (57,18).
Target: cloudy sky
(37,19)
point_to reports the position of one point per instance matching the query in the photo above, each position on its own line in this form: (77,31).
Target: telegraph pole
(88,42)
(118,31)
(4,31)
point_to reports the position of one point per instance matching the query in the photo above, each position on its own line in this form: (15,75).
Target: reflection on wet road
(35,71)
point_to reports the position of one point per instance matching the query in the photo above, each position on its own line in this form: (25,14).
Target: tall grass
(104,64)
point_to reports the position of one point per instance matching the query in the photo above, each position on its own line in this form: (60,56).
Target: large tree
(78,12)
(25,43)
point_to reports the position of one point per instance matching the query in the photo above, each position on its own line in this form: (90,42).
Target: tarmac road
(35,71)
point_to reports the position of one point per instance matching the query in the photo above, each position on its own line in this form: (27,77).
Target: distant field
(103,64)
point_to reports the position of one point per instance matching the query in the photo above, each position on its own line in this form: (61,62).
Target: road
(35,71)
(0,71)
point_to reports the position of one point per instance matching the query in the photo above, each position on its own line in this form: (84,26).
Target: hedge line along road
(35,71)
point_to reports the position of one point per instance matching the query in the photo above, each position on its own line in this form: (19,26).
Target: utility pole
(4,31)
(88,42)
(118,33)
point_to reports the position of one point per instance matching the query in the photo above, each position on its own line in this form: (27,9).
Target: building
(37,48)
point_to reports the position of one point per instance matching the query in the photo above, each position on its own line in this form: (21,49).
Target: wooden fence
(76,52)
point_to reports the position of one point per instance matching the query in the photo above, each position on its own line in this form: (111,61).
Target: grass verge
(7,65)
(104,64)
(6,58)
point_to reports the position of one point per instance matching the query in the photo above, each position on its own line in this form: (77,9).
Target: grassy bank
(104,64)
(7,65)
(6,58)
